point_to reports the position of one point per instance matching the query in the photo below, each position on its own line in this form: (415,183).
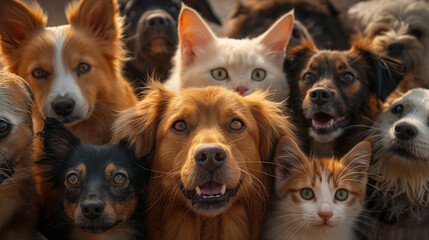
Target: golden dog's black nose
(320,95)
(210,156)
(405,131)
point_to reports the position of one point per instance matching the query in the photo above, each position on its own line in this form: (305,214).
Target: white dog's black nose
(396,48)
(63,106)
(405,131)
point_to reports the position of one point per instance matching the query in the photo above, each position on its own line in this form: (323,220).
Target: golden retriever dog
(212,153)
(18,195)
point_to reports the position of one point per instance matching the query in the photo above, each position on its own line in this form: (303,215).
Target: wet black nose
(320,95)
(63,106)
(396,48)
(92,209)
(157,20)
(210,156)
(405,131)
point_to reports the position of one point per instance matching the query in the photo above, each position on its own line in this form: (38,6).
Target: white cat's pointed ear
(288,157)
(194,33)
(357,160)
(277,36)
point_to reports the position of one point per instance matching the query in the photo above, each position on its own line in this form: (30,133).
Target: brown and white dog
(398,29)
(334,93)
(400,168)
(74,70)
(18,195)
(212,155)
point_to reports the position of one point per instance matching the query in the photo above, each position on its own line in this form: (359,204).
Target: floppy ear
(193,33)
(288,157)
(299,35)
(137,125)
(277,36)
(296,58)
(18,22)
(100,17)
(357,160)
(203,7)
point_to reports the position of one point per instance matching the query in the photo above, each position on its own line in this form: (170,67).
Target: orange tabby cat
(317,198)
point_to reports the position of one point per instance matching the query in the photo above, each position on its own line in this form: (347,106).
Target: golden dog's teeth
(222,192)
(198,190)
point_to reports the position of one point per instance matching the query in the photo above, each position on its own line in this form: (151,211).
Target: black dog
(151,35)
(99,187)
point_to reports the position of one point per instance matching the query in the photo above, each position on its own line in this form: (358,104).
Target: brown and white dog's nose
(157,20)
(210,156)
(320,95)
(92,209)
(63,106)
(405,131)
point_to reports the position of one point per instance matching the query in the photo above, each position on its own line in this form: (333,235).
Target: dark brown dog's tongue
(211,188)
(322,120)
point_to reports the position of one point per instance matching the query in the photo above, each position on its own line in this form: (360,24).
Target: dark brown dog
(334,93)
(321,18)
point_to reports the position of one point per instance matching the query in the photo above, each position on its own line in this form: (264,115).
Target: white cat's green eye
(219,74)
(341,195)
(258,74)
(307,194)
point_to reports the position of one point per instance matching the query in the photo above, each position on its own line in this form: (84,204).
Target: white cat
(203,59)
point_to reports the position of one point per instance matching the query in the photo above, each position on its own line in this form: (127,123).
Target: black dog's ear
(297,56)
(203,7)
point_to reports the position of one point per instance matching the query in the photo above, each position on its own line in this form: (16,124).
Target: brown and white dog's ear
(100,17)
(137,125)
(358,159)
(18,22)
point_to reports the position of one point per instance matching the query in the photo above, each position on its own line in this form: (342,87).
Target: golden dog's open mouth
(210,196)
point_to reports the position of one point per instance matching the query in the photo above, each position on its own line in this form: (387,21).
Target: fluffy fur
(243,65)
(400,168)
(335,194)
(398,29)
(76,75)
(335,93)
(202,138)
(18,196)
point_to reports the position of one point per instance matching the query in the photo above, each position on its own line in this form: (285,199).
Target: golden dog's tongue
(211,188)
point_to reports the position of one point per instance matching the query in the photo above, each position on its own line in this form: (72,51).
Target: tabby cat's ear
(288,158)
(357,160)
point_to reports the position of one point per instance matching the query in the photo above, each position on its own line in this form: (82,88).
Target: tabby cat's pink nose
(241,89)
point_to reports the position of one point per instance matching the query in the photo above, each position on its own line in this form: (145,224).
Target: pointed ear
(137,125)
(357,160)
(203,7)
(288,158)
(57,139)
(18,22)
(277,36)
(98,16)
(193,33)
(296,59)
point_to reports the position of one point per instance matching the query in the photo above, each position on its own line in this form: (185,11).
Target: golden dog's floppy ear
(138,124)
(272,123)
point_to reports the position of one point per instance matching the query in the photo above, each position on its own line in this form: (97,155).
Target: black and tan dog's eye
(398,109)
(309,77)
(180,126)
(119,179)
(73,179)
(236,125)
(348,77)
(4,128)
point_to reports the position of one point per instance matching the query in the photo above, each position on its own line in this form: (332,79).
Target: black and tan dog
(18,196)
(151,35)
(99,187)
(334,93)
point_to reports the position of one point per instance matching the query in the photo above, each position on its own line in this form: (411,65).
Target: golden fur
(208,112)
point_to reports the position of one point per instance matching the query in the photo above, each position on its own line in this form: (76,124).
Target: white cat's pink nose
(325,216)
(241,89)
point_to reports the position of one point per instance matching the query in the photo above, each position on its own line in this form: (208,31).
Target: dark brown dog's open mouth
(97,227)
(210,196)
(324,122)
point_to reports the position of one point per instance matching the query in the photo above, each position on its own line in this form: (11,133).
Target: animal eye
(173,8)
(348,77)
(416,33)
(119,179)
(83,68)
(4,128)
(258,74)
(380,32)
(341,195)
(180,126)
(39,73)
(308,77)
(219,74)
(236,125)
(72,179)
(307,194)
(398,109)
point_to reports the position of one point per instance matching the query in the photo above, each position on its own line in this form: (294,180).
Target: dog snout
(92,209)
(210,156)
(157,20)
(320,95)
(395,48)
(63,106)
(405,131)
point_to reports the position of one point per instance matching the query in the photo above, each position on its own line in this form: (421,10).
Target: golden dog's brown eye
(39,73)
(398,109)
(309,77)
(4,128)
(119,179)
(348,78)
(236,125)
(180,126)
(83,68)
(72,179)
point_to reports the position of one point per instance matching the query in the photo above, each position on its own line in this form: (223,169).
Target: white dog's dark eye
(398,109)
(309,77)
(219,74)
(380,32)
(416,33)
(258,74)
